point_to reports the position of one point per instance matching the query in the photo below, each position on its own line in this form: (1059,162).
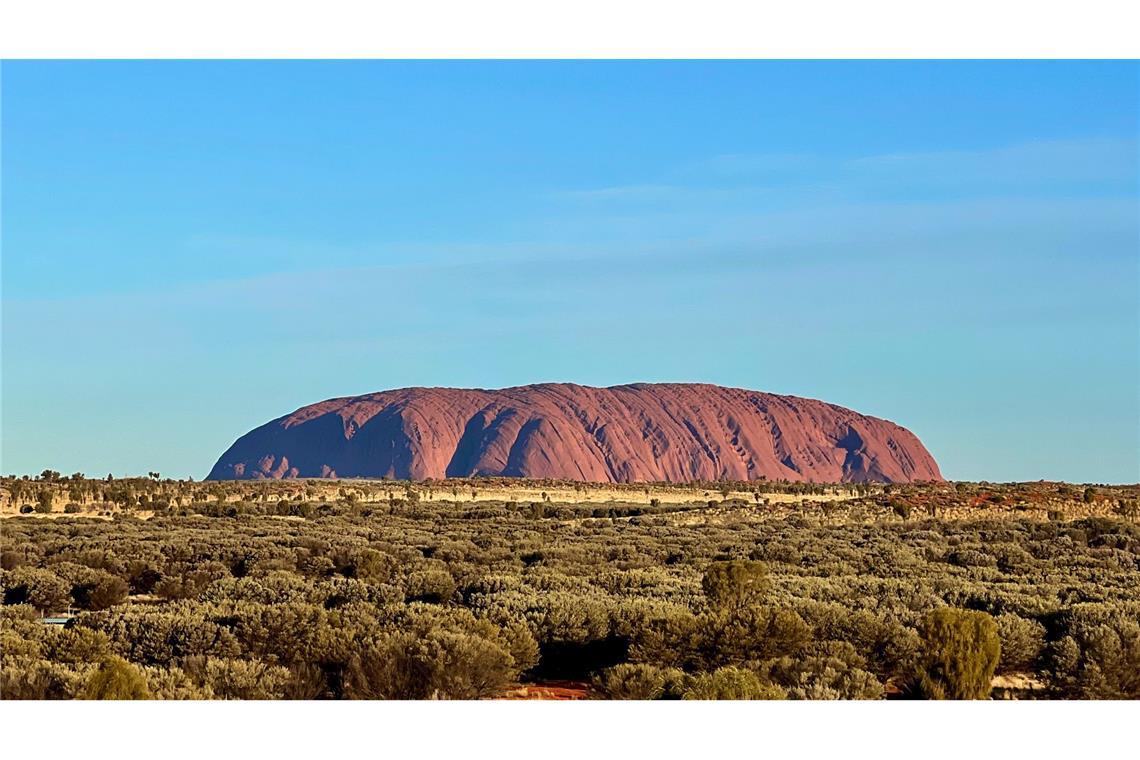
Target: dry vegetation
(484,588)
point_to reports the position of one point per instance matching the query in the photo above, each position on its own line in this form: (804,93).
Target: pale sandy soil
(834,505)
(379,491)
(143,514)
(601,494)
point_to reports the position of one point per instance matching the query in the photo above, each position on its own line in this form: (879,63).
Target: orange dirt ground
(551,690)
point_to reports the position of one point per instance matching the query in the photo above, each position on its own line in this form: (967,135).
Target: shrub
(40,588)
(75,645)
(162,636)
(521,644)
(670,641)
(441,665)
(731,683)
(735,584)
(116,679)
(629,681)
(433,586)
(960,652)
(752,633)
(174,683)
(104,591)
(971,558)
(1098,656)
(244,679)
(371,566)
(39,679)
(831,671)
(1021,643)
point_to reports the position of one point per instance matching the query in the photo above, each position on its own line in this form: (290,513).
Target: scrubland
(480,589)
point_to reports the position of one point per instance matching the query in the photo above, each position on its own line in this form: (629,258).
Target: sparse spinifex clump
(157,589)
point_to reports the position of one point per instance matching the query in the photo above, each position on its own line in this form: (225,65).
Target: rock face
(627,433)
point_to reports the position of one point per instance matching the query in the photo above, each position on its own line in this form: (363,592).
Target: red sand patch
(552,690)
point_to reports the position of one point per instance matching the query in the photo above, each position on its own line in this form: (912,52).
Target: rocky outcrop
(675,432)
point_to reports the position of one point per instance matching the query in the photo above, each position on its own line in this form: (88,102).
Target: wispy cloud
(1032,168)
(622,192)
(756,166)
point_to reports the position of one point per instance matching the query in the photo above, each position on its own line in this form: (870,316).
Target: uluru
(644,432)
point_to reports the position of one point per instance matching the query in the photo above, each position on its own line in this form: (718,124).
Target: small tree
(108,591)
(960,651)
(116,679)
(44,501)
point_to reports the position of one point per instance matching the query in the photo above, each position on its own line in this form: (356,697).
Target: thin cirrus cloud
(1030,168)
(623,228)
(1020,201)
(842,213)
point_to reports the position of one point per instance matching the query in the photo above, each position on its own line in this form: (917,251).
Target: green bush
(74,645)
(441,665)
(174,684)
(435,586)
(832,670)
(960,652)
(39,679)
(1022,641)
(735,584)
(731,683)
(40,588)
(1098,654)
(102,591)
(244,679)
(116,679)
(752,633)
(629,681)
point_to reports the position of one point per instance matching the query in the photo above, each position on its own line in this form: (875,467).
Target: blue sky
(193,248)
